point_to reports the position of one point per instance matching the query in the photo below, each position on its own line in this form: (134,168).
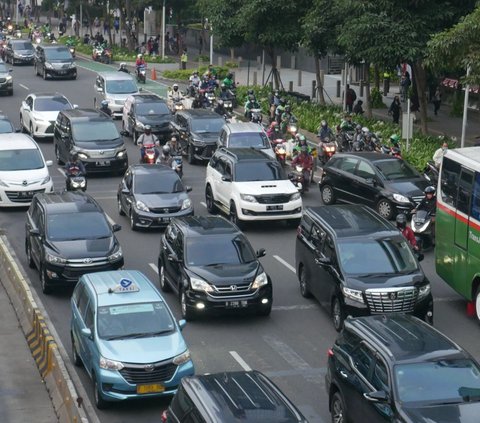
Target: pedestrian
(395,109)
(116,24)
(437,98)
(358,109)
(106,26)
(439,153)
(351,97)
(184,58)
(405,83)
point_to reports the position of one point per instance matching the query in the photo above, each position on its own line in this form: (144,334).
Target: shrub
(231,65)
(376,99)
(184,74)
(203,58)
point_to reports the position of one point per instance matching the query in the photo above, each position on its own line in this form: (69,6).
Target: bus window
(449,182)
(476,198)
(464,191)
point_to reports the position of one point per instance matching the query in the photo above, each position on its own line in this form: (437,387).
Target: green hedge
(184,74)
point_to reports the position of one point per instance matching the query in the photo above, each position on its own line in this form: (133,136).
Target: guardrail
(66,402)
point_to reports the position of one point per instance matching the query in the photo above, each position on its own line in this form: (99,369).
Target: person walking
(395,109)
(405,85)
(184,58)
(437,99)
(351,97)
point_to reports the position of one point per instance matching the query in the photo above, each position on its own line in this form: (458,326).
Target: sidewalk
(23,396)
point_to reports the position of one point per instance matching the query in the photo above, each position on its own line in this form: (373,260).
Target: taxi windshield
(139,320)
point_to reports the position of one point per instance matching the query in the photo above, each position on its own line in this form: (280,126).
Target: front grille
(88,262)
(100,154)
(165,210)
(49,130)
(22,196)
(417,200)
(273,199)
(232,289)
(144,373)
(391,300)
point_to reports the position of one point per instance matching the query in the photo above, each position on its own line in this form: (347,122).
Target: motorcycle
(150,154)
(177,104)
(106,56)
(329,148)
(256,115)
(228,105)
(392,151)
(177,165)
(297,178)
(37,37)
(10,29)
(280,150)
(292,127)
(141,73)
(431,173)
(347,140)
(422,226)
(210,96)
(72,50)
(75,180)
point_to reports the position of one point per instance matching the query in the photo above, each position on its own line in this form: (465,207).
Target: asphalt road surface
(290,346)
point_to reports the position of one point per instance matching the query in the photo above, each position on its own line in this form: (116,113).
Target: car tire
(190,155)
(22,126)
(302,279)
(44,74)
(77,361)
(234,217)
(28,252)
(210,201)
(187,313)
(338,409)
(119,206)
(35,69)
(164,286)
(133,226)
(100,403)
(57,156)
(385,208)
(477,304)
(338,314)
(328,196)
(44,281)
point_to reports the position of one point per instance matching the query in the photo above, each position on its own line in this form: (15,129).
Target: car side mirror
(323,261)
(226,178)
(173,258)
(25,106)
(182,323)
(371,181)
(376,396)
(49,163)
(34,232)
(125,190)
(188,188)
(116,227)
(87,333)
(261,252)
(75,106)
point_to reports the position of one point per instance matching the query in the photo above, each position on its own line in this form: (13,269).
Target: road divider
(66,402)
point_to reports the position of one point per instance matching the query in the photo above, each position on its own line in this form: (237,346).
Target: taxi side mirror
(182,323)
(87,333)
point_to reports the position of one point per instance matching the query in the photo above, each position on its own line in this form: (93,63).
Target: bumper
(255,211)
(43,129)
(203,152)
(115,388)
(20,196)
(23,60)
(111,164)
(66,275)
(117,109)
(6,87)
(157,220)
(62,73)
(403,207)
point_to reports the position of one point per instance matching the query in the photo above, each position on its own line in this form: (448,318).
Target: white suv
(248,185)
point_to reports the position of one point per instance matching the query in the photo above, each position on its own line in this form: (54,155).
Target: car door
(365,184)
(64,143)
(223,181)
(341,175)
(170,262)
(328,273)
(126,195)
(35,221)
(90,352)
(27,107)
(80,303)
(313,247)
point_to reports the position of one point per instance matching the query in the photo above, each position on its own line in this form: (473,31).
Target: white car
(23,170)
(248,185)
(39,112)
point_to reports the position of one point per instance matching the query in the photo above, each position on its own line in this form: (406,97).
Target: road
(290,346)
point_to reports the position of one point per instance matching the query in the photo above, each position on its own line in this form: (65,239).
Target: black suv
(92,135)
(19,51)
(356,263)
(198,131)
(67,235)
(385,183)
(54,61)
(211,266)
(397,368)
(249,397)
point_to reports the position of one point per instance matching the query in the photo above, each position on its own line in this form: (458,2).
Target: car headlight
(140,205)
(182,358)
(198,142)
(117,255)
(139,125)
(401,198)
(248,197)
(3,184)
(73,65)
(107,364)
(9,78)
(200,285)
(82,156)
(48,65)
(423,291)
(122,153)
(260,280)
(186,204)
(46,180)
(353,294)
(295,196)
(55,259)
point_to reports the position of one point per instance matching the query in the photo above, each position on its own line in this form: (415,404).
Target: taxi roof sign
(125,285)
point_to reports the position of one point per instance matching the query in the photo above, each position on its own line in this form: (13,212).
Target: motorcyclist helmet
(251,98)
(220,102)
(302,140)
(368,135)
(175,87)
(287,108)
(166,150)
(395,139)
(230,75)
(401,221)
(276,93)
(74,157)
(223,87)
(358,128)
(250,92)
(365,130)
(139,56)
(323,124)
(283,102)
(104,104)
(123,65)
(148,129)
(429,190)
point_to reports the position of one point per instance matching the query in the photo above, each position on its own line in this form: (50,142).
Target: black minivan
(356,263)
(93,136)
(54,61)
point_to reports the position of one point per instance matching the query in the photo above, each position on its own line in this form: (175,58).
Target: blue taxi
(126,337)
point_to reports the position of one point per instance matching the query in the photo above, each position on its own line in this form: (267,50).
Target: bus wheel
(477,304)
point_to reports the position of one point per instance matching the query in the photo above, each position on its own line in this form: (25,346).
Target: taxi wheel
(77,361)
(187,313)
(100,403)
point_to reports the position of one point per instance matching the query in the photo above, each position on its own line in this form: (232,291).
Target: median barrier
(65,400)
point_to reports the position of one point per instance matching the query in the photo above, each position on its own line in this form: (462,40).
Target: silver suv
(245,135)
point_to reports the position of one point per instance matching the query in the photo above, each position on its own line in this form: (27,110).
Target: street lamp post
(163,30)
(465,111)
(211,45)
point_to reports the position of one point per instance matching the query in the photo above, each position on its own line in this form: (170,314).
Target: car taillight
(164,416)
(330,353)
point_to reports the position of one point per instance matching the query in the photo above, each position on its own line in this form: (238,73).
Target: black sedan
(387,184)
(151,195)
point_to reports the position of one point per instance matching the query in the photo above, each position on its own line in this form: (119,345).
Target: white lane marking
(24,87)
(154,267)
(240,361)
(203,204)
(61,171)
(110,220)
(102,198)
(286,264)
(294,307)
(448,299)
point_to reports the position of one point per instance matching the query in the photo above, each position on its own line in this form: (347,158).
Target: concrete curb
(66,402)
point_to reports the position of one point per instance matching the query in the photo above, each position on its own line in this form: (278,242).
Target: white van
(23,170)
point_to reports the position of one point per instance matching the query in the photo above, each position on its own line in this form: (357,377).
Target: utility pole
(465,111)
(211,45)
(163,30)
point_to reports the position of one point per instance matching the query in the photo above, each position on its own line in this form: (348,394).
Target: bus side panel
(444,253)
(473,255)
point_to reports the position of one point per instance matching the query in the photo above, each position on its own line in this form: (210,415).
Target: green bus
(457,226)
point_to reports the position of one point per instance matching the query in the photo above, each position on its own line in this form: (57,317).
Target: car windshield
(52,104)
(442,381)
(94,131)
(207,125)
(121,86)
(20,160)
(385,256)
(149,109)
(218,250)
(22,46)
(77,226)
(59,53)
(396,170)
(248,139)
(6,126)
(158,183)
(259,171)
(142,320)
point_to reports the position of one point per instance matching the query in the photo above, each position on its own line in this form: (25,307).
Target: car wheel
(210,201)
(338,410)
(57,156)
(133,226)
(234,217)
(302,278)
(35,69)
(187,314)
(30,131)
(28,251)
(45,74)
(44,281)
(100,403)
(119,205)
(328,197)
(22,126)
(190,155)
(165,287)
(77,361)
(338,314)
(477,304)
(385,208)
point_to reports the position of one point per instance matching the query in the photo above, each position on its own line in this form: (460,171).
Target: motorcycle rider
(286,118)
(347,125)
(140,62)
(148,138)
(73,167)
(105,109)
(228,81)
(280,110)
(123,68)
(301,141)
(220,109)
(165,158)
(194,79)
(174,95)
(305,160)
(369,144)
(325,131)
(274,103)
(406,231)
(273,131)
(249,105)
(428,203)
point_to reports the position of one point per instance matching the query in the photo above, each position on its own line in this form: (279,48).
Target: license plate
(104,163)
(236,304)
(163,219)
(25,193)
(150,389)
(273,208)
(62,72)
